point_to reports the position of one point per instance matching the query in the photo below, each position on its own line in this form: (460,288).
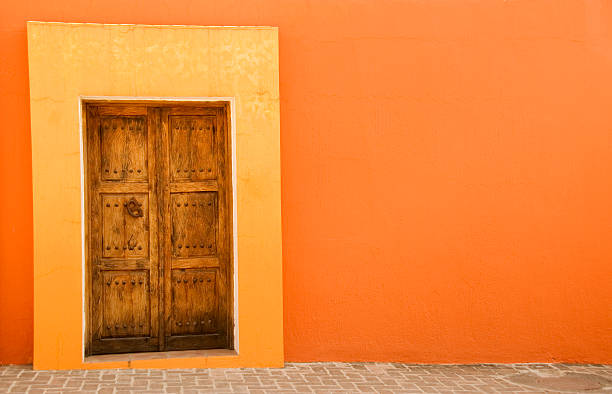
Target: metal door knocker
(133,208)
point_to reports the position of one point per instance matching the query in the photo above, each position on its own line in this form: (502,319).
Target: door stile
(228,220)
(222,224)
(93,161)
(152,117)
(164,213)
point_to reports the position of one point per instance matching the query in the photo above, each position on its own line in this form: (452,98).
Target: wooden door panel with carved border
(158,204)
(196,227)
(122,226)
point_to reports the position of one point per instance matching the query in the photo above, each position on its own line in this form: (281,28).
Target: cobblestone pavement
(317,378)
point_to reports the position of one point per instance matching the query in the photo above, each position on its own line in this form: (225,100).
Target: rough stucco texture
(71,60)
(446,171)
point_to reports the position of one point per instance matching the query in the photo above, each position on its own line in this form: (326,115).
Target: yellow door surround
(73,63)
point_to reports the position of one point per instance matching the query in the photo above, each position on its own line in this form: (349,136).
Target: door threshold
(101,358)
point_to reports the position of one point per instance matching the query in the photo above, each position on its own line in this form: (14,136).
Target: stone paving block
(310,378)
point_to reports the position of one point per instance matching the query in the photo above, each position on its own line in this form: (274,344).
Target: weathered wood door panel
(123,253)
(159,228)
(196,234)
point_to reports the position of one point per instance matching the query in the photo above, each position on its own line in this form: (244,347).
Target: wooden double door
(158,213)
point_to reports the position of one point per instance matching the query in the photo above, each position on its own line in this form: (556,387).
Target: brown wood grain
(122,109)
(158,206)
(197,226)
(208,185)
(195,262)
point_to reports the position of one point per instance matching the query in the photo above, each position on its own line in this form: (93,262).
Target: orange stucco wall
(446,169)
